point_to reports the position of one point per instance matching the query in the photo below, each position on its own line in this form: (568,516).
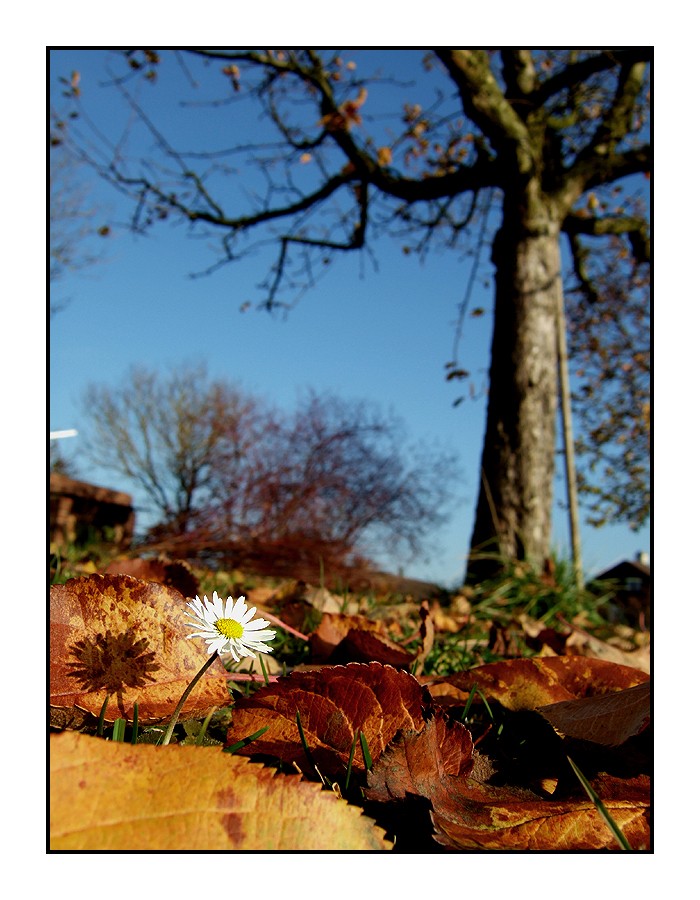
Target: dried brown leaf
(438,763)
(334,704)
(479,816)
(334,628)
(416,762)
(609,719)
(176,574)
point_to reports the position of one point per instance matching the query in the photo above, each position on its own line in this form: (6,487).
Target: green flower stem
(173,722)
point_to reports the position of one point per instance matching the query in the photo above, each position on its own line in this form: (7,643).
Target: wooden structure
(80,512)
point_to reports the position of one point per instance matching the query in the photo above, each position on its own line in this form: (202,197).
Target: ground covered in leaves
(388,722)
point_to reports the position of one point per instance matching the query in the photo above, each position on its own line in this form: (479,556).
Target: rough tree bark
(513,513)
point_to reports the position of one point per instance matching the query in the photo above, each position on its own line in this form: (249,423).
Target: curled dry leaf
(176,574)
(334,704)
(116,635)
(333,629)
(342,639)
(530,683)
(609,719)
(427,635)
(585,644)
(116,797)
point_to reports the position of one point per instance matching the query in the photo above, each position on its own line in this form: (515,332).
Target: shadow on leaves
(112,662)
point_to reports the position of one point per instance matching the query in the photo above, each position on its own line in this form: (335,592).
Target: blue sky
(379,335)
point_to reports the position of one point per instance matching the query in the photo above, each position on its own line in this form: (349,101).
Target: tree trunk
(513,516)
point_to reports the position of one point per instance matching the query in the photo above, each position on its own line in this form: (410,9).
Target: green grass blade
(350,759)
(234,748)
(309,754)
(600,806)
(264,669)
(307,751)
(119,730)
(467,706)
(203,730)
(365,752)
(135,724)
(101,720)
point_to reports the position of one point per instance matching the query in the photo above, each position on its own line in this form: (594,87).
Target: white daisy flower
(229,627)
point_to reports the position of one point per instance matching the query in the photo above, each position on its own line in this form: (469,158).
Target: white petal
(256,625)
(217,643)
(248,616)
(267,635)
(218,606)
(239,609)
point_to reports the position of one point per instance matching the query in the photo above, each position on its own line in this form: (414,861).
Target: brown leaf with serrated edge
(609,719)
(530,683)
(416,761)
(334,704)
(116,635)
(109,796)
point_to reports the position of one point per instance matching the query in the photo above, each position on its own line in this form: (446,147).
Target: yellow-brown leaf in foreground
(116,635)
(609,719)
(334,703)
(114,796)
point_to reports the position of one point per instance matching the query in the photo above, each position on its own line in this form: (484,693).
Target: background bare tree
(336,477)
(164,433)
(339,472)
(529,139)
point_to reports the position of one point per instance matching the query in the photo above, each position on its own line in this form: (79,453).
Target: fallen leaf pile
(348,752)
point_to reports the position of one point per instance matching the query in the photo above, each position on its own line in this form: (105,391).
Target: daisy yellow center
(230,628)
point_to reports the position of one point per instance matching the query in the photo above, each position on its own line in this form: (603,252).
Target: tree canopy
(532,153)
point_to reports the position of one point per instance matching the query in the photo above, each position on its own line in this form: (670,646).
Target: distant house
(79,512)
(631,582)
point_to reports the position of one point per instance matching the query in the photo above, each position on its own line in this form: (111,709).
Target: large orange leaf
(113,634)
(334,703)
(113,796)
